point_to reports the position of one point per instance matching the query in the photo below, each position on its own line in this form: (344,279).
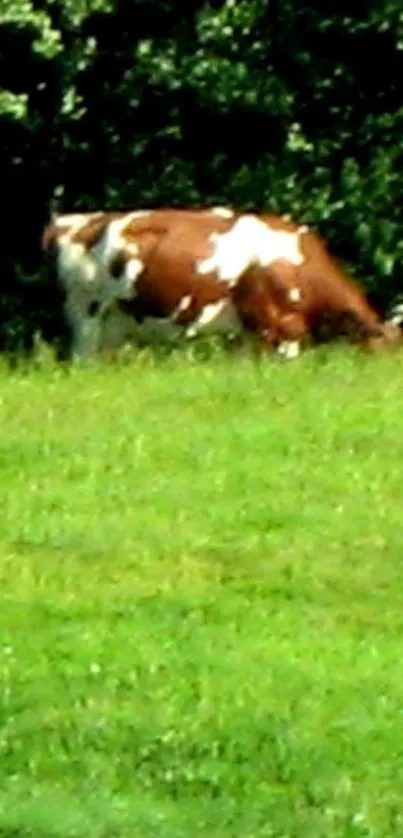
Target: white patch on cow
(76,219)
(185,302)
(223,212)
(250,242)
(138,214)
(286,216)
(183,305)
(133,269)
(218,317)
(111,243)
(294,295)
(71,220)
(75,263)
(303,228)
(132,248)
(289,349)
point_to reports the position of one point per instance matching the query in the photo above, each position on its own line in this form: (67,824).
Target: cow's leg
(269,308)
(218,317)
(276,329)
(292,332)
(289,349)
(84,317)
(118,329)
(283,333)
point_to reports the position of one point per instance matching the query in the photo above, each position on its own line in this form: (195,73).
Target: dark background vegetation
(283,105)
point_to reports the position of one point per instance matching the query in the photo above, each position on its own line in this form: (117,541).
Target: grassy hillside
(201,567)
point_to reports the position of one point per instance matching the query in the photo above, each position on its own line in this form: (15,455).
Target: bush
(287,108)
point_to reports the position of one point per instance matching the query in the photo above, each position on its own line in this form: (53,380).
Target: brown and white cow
(176,266)
(203,270)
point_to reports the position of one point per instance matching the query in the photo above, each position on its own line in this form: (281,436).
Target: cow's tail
(49,229)
(48,237)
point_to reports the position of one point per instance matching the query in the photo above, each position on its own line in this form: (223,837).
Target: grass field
(202,598)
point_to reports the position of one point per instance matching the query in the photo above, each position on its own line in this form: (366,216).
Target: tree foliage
(274,104)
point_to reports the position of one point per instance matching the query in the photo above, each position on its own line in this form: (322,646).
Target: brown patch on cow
(146,242)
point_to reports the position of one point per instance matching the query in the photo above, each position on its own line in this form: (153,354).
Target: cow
(176,266)
(201,270)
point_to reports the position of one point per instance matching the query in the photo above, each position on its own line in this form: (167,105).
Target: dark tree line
(273,104)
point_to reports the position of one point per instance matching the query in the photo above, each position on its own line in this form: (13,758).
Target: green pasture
(201,622)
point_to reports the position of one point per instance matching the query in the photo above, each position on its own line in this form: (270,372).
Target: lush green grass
(201,619)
